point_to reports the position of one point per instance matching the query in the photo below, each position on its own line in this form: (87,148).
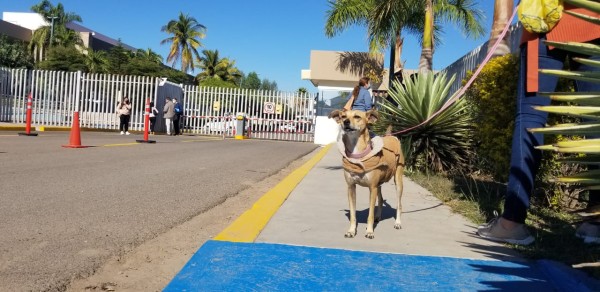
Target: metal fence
(212,111)
(268,114)
(471,60)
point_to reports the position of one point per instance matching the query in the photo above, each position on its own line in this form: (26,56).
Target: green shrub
(492,99)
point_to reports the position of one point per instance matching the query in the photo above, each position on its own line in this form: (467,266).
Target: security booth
(241,127)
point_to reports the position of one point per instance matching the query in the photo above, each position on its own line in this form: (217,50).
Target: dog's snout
(346,122)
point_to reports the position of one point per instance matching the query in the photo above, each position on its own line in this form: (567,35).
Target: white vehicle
(287,127)
(219,126)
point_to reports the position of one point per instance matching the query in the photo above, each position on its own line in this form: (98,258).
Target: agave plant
(443,143)
(586,106)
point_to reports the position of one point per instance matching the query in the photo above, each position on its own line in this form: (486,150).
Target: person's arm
(166,108)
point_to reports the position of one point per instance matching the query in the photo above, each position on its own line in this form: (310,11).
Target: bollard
(146,124)
(28,121)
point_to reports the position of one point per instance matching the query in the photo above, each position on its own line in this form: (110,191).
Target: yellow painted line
(202,140)
(123,144)
(249,225)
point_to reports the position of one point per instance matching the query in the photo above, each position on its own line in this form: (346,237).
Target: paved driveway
(64,211)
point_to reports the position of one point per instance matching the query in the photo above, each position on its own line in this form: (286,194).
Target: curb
(248,226)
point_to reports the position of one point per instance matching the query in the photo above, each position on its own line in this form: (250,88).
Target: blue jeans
(525,160)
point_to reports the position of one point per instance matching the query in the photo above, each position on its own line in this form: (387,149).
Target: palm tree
(185,37)
(503,9)
(384,20)
(96,61)
(214,67)
(150,55)
(61,35)
(461,13)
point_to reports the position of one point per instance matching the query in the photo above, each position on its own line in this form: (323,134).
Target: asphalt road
(63,212)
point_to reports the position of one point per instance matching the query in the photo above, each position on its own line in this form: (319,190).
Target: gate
(56,95)
(272,115)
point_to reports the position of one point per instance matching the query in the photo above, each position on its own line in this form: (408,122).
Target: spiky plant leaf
(588,18)
(443,143)
(570,129)
(582,149)
(582,48)
(584,181)
(593,63)
(589,5)
(581,98)
(578,143)
(576,75)
(588,112)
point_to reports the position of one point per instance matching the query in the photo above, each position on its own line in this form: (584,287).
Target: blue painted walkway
(229,266)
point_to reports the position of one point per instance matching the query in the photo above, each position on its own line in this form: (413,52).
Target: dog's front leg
(379,205)
(373,193)
(352,202)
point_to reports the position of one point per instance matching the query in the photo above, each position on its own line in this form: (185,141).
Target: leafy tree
(214,67)
(61,35)
(185,37)
(251,81)
(96,61)
(461,13)
(149,55)
(118,57)
(14,53)
(266,84)
(217,82)
(64,59)
(142,67)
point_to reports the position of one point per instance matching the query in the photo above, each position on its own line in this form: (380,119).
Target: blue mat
(228,266)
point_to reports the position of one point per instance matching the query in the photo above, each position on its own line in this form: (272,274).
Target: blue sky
(271,37)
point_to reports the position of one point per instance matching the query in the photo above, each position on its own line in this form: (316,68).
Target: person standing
(525,159)
(153,114)
(177,118)
(124,113)
(169,113)
(363,100)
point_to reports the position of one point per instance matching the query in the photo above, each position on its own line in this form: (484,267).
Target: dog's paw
(397,226)
(370,235)
(349,234)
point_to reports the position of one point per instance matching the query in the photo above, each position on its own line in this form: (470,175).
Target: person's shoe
(494,231)
(589,232)
(127,133)
(122,133)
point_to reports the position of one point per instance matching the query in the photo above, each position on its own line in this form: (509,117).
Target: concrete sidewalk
(303,247)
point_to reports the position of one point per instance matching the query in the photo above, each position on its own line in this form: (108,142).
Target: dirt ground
(152,265)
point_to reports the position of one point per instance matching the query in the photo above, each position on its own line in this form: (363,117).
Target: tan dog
(369,163)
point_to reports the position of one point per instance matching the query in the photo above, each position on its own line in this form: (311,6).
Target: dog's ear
(372,116)
(335,115)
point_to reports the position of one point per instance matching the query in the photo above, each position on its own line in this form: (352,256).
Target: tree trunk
(426,61)
(398,60)
(503,9)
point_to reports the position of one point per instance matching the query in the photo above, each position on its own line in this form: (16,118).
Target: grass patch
(478,198)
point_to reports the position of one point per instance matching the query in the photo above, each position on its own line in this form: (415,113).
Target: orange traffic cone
(75,140)
(28,120)
(146,124)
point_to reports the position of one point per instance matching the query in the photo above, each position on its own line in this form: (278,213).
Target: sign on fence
(269,108)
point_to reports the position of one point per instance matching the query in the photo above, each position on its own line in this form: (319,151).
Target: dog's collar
(362,154)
